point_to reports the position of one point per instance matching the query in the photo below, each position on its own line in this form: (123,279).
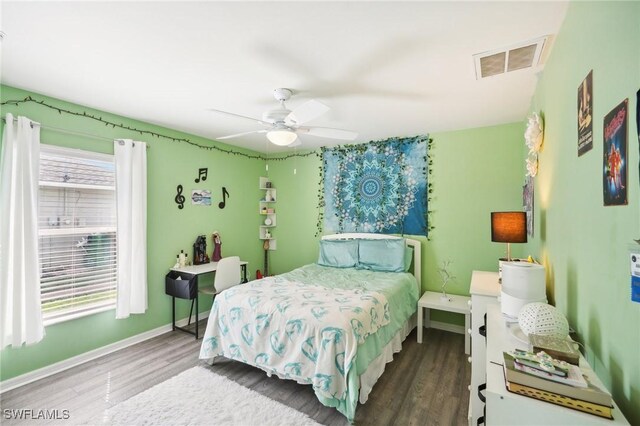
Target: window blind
(77,233)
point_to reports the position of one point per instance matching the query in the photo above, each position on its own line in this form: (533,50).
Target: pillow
(408,258)
(338,254)
(382,255)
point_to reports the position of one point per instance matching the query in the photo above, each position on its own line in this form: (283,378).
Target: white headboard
(417,249)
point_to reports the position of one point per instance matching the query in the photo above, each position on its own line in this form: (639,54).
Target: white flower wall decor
(534,133)
(532,165)
(533,136)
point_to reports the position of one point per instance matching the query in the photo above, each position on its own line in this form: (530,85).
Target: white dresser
(484,290)
(506,408)
(502,406)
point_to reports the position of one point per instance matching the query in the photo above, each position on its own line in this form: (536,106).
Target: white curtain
(131,190)
(20,310)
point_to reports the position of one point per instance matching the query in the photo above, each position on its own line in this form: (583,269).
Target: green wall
(584,245)
(168,229)
(475,172)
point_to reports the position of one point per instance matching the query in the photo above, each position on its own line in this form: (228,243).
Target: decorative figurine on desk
(200,255)
(446,276)
(217,247)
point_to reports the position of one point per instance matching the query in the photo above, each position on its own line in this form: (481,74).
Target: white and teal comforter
(307,325)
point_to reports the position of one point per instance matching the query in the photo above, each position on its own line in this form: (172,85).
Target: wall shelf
(269,198)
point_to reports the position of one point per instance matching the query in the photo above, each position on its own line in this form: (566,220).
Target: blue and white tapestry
(377,187)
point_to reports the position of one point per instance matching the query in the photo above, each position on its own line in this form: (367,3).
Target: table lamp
(509,227)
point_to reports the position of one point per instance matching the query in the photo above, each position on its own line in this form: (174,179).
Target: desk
(195,271)
(457,304)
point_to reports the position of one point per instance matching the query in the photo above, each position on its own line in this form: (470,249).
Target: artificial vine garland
(154,134)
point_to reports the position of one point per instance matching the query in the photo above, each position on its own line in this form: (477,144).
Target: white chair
(227,275)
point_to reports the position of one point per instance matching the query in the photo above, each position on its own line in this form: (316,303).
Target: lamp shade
(281,137)
(543,319)
(509,227)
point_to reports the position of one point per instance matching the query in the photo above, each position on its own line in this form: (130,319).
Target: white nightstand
(457,304)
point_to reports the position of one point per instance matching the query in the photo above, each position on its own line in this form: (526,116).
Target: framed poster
(614,155)
(585,114)
(527,203)
(638,125)
(200,197)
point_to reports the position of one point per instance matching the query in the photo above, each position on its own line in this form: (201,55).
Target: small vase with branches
(446,276)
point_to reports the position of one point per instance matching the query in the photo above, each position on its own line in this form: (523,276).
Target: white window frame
(45,230)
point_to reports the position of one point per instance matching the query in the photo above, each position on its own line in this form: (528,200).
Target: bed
(333,325)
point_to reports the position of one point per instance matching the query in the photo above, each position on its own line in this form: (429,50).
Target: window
(77,233)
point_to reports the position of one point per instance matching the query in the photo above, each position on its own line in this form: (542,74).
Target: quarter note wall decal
(202,174)
(225,194)
(179,199)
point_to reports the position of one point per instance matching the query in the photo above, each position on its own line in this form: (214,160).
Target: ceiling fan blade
(221,138)
(306,112)
(240,116)
(327,132)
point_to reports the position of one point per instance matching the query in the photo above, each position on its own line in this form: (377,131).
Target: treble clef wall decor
(179,197)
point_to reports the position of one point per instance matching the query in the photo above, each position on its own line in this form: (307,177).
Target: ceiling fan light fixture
(282,125)
(281,137)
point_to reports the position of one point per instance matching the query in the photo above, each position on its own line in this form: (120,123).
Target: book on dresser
(590,399)
(564,401)
(573,378)
(558,348)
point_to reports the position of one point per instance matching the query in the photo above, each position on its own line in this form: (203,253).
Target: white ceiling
(384,68)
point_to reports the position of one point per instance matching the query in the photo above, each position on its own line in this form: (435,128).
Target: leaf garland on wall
(84,114)
(380,186)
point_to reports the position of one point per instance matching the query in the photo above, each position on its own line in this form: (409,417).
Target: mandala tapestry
(377,187)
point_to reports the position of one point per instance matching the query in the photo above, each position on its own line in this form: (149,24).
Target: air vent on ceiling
(516,57)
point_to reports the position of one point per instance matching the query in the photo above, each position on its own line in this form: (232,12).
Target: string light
(107,123)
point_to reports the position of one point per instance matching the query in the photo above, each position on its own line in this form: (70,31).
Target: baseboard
(448,327)
(49,370)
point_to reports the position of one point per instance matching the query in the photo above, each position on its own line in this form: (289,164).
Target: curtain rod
(70,132)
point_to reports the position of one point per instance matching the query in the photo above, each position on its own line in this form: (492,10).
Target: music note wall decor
(225,194)
(202,173)
(179,199)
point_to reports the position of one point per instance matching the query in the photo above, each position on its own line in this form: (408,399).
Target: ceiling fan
(283,126)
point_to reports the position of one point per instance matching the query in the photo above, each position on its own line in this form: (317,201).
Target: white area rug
(199,396)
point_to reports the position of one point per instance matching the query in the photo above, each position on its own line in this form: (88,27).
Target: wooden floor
(424,385)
